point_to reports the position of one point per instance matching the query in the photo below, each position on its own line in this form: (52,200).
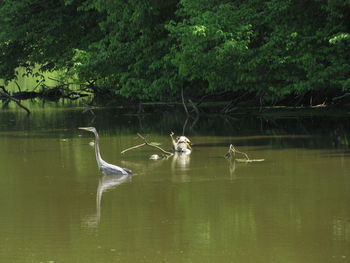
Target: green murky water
(57,207)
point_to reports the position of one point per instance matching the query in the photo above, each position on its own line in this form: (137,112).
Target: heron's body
(108,168)
(104,167)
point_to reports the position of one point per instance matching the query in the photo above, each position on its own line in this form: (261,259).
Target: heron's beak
(84,128)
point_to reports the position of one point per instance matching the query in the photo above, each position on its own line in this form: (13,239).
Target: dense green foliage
(151,49)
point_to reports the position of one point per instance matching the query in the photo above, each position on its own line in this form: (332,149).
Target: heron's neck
(97,150)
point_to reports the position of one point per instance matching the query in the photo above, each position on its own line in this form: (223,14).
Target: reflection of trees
(335,130)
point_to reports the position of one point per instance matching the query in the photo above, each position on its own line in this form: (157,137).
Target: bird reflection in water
(181,158)
(106,183)
(179,166)
(232,168)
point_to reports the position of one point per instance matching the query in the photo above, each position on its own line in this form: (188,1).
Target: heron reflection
(104,167)
(106,183)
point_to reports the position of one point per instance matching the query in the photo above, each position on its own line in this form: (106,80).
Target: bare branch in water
(133,147)
(232,151)
(148,144)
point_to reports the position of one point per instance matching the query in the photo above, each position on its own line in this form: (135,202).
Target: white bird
(154,157)
(104,167)
(182,144)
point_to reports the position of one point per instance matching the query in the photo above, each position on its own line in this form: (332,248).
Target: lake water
(57,207)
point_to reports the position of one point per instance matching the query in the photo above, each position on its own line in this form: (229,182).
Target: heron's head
(91,129)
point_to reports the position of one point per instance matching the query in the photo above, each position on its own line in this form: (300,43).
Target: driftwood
(232,152)
(5,94)
(146,143)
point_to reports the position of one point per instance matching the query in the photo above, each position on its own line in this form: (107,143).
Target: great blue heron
(104,167)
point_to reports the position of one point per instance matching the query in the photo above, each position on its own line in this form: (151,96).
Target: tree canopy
(150,50)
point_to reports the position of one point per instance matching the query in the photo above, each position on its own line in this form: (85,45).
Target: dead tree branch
(19,88)
(5,91)
(194,107)
(15,100)
(148,144)
(233,151)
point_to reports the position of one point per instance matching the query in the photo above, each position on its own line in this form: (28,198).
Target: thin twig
(155,146)
(51,78)
(194,107)
(133,147)
(183,128)
(37,85)
(19,88)
(3,88)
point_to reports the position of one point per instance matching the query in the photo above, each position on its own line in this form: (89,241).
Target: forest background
(289,52)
